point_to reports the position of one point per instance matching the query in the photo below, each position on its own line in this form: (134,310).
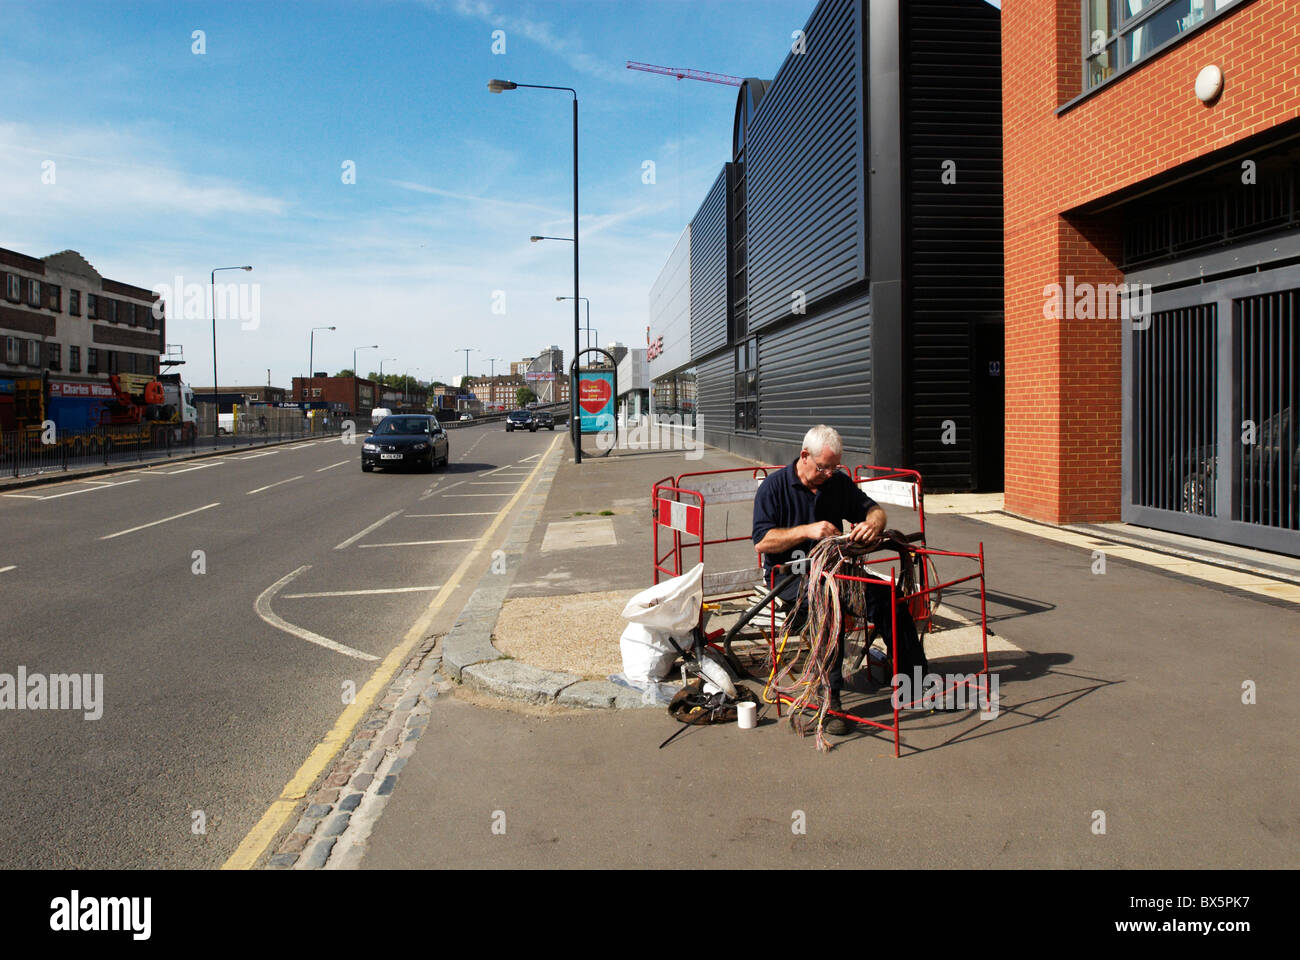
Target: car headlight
(370,448)
(420,446)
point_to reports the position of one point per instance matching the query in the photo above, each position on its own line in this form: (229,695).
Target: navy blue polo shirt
(783,501)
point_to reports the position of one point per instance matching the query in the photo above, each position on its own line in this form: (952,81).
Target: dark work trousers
(877,613)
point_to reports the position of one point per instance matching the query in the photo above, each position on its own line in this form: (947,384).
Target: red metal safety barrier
(923,555)
(679,504)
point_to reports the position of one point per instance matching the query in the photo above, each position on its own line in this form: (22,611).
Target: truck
(87,417)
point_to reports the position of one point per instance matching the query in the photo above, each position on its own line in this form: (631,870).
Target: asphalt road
(211,699)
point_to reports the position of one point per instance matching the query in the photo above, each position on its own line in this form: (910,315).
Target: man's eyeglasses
(823,471)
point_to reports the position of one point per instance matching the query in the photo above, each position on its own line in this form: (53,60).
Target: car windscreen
(403,425)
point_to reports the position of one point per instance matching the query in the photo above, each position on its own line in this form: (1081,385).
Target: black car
(521,420)
(544,419)
(406,440)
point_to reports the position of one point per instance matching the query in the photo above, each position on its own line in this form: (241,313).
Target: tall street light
(498,86)
(216,392)
(467,351)
(589,328)
(311,351)
(373,346)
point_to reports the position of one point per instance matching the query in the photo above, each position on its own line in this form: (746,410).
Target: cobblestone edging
(470,656)
(343,811)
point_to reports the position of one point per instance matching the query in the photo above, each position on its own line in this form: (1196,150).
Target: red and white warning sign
(686,517)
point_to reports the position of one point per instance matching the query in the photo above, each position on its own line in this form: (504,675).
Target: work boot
(836,726)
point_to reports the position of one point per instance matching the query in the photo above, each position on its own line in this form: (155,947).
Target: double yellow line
(254,844)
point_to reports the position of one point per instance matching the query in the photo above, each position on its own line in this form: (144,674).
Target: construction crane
(681,73)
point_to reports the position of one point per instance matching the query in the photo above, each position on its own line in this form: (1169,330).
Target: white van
(378,414)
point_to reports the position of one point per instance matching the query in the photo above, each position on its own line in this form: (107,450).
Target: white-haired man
(808,500)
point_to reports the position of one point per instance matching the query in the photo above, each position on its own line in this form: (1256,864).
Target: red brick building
(356,393)
(1124,165)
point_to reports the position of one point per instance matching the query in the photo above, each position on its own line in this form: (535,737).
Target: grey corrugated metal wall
(709,270)
(952,114)
(715,382)
(817,371)
(805,171)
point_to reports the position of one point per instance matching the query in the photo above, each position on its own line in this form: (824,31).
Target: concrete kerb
(468,654)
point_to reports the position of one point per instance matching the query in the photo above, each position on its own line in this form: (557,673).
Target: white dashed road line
(414,543)
(358,593)
(71,493)
(479,513)
(12,566)
(333,465)
(122,533)
(374,526)
(276,484)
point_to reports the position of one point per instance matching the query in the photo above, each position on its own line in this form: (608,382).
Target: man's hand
(821,530)
(870,528)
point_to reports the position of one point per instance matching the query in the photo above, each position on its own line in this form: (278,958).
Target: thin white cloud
(108,171)
(544,35)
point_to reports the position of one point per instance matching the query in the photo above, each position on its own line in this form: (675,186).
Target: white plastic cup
(746,715)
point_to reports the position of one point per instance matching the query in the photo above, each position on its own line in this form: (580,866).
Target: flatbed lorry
(87,417)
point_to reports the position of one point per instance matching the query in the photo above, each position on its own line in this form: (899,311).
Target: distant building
(59,314)
(497,393)
(358,394)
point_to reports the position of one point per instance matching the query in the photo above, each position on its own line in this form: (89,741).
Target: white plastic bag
(668,609)
(673,605)
(647,654)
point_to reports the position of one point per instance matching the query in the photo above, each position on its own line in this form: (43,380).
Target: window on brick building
(13,286)
(33,353)
(74,302)
(92,306)
(13,350)
(33,293)
(54,297)
(1120,33)
(74,359)
(92,360)
(54,354)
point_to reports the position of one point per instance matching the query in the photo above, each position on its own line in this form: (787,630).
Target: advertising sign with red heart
(593,395)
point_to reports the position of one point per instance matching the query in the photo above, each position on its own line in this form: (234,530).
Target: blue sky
(169,163)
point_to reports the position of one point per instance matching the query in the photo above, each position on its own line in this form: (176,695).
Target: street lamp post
(311,351)
(373,346)
(381,374)
(216,392)
(589,328)
(498,86)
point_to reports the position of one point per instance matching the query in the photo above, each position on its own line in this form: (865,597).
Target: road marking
(72,493)
(527,459)
(109,482)
(333,465)
(300,446)
(263,607)
(494,483)
(356,593)
(276,484)
(480,513)
(256,841)
(509,466)
(25,496)
(413,543)
(254,456)
(1264,586)
(12,566)
(503,493)
(122,533)
(201,466)
(374,526)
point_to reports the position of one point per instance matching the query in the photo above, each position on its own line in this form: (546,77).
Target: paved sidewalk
(1134,691)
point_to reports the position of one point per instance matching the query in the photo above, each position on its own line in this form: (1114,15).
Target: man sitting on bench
(808,500)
